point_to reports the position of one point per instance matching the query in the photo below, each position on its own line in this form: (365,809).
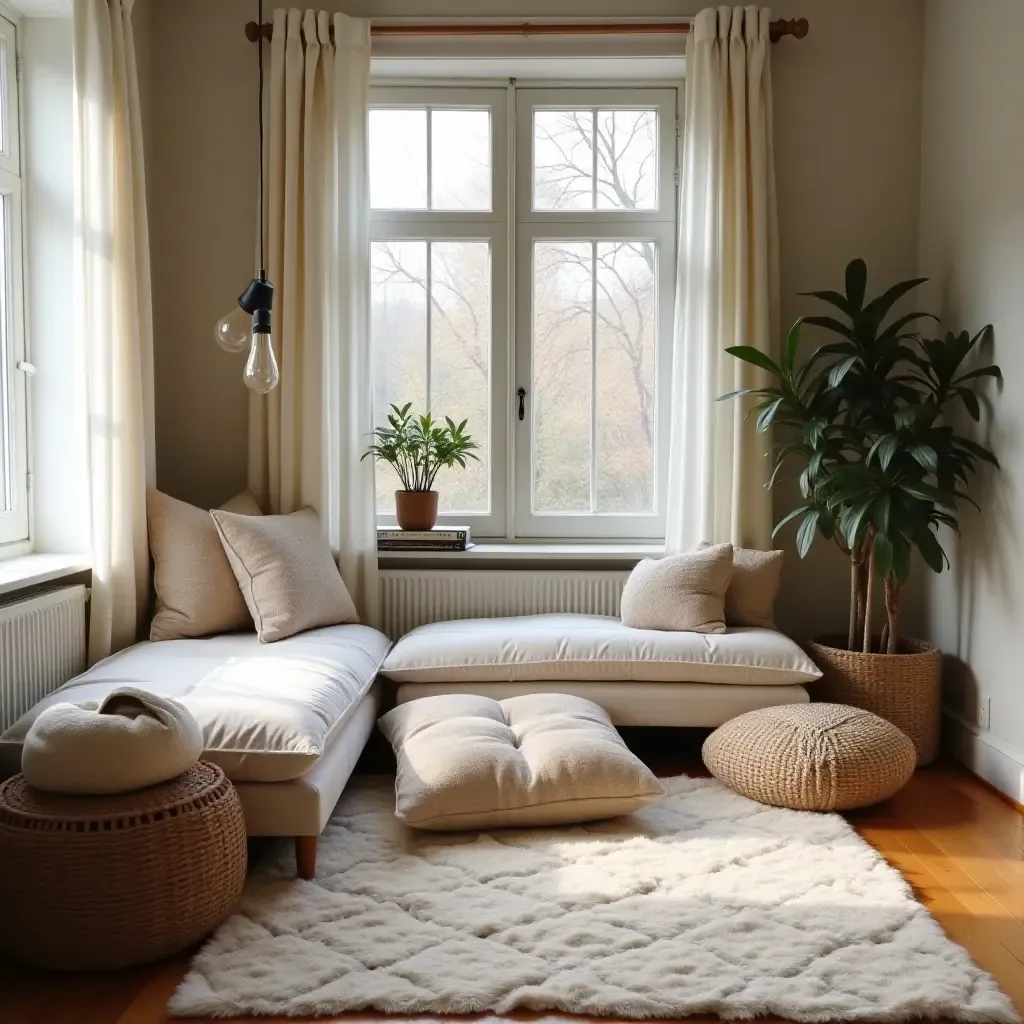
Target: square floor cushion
(469,762)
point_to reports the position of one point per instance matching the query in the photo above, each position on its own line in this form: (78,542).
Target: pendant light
(249,324)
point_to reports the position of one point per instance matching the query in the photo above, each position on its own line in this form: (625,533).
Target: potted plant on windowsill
(870,422)
(418,448)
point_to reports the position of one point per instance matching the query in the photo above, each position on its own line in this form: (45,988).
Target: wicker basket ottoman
(811,757)
(94,883)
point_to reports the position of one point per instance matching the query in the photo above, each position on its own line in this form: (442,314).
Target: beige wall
(972,245)
(847,150)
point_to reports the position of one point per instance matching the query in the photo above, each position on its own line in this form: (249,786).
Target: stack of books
(440,538)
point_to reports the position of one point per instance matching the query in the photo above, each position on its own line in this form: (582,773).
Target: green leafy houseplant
(418,447)
(869,423)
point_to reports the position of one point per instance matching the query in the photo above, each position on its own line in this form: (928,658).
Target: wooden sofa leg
(305,856)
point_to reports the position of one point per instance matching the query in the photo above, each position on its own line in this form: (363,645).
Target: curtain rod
(795,27)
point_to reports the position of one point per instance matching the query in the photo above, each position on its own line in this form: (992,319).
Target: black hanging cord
(263,267)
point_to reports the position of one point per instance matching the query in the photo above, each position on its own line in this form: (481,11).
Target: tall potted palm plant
(869,424)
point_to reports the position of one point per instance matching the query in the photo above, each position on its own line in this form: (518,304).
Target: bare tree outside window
(447,373)
(590,213)
(594,323)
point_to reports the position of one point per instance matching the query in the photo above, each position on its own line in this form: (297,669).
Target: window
(13,417)
(561,365)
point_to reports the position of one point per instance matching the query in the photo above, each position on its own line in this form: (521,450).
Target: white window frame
(470,225)
(511,227)
(657,225)
(15,523)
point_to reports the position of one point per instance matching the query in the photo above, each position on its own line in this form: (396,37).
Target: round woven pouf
(811,757)
(97,883)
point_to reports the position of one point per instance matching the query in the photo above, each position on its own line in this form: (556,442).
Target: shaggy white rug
(705,902)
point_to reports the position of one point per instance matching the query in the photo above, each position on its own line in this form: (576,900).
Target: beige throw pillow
(755,582)
(468,762)
(679,592)
(196,591)
(286,572)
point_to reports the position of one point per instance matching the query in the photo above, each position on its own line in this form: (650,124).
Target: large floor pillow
(469,762)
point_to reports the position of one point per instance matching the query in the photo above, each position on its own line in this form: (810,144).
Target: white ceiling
(40,8)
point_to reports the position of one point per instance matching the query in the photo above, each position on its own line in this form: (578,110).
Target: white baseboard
(985,755)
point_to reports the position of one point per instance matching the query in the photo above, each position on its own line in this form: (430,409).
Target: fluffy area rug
(705,902)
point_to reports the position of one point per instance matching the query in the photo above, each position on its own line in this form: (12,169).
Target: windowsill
(521,554)
(26,571)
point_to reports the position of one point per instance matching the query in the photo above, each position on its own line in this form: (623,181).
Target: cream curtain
(113,317)
(306,436)
(727,281)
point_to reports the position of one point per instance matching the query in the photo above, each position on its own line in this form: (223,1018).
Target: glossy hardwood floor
(959,844)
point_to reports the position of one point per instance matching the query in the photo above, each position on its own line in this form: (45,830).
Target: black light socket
(261,321)
(259,294)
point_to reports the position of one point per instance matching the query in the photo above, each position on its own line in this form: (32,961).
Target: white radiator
(42,645)
(411,598)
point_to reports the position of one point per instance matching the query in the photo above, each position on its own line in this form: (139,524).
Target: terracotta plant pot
(903,688)
(416,510)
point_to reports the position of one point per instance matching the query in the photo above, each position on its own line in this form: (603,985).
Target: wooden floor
(959,844)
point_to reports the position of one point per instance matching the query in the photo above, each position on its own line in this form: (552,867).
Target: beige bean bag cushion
(811,757)
(468,762)
(679,592)
(129,740)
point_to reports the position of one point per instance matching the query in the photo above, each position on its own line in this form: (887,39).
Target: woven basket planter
(97,883)
(904,688)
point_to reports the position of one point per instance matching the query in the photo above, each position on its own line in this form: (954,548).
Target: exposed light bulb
(261,373)
(234,331)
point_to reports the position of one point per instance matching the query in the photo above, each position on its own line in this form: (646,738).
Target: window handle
(521,392)
(27,368)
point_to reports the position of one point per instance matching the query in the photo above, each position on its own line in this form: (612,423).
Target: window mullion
(430,321)
(593,159)
(430,159)
(593,376)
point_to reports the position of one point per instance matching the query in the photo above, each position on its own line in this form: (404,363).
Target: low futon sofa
(286,721)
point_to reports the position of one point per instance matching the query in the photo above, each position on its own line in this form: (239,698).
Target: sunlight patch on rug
(705,902)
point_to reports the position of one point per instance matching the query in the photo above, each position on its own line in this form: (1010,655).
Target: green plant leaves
(418,446)
(856,284)
(805,534)
(864,424)
(840,370)
(756,357)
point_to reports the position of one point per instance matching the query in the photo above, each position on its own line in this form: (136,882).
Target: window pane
(627,159)
(460,362)
(562,364)
(399,331)
(460,160)
(3,96)
(451,377)
(624,378)
(398,159)
(563,160)
(6,362)
(621,175)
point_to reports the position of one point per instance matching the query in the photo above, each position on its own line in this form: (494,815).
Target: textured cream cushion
(267,711)
(196,591)
(811,757)
(130,740)
(753,587)
(525,648)
(286,572)
(679,592)
(471,762)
